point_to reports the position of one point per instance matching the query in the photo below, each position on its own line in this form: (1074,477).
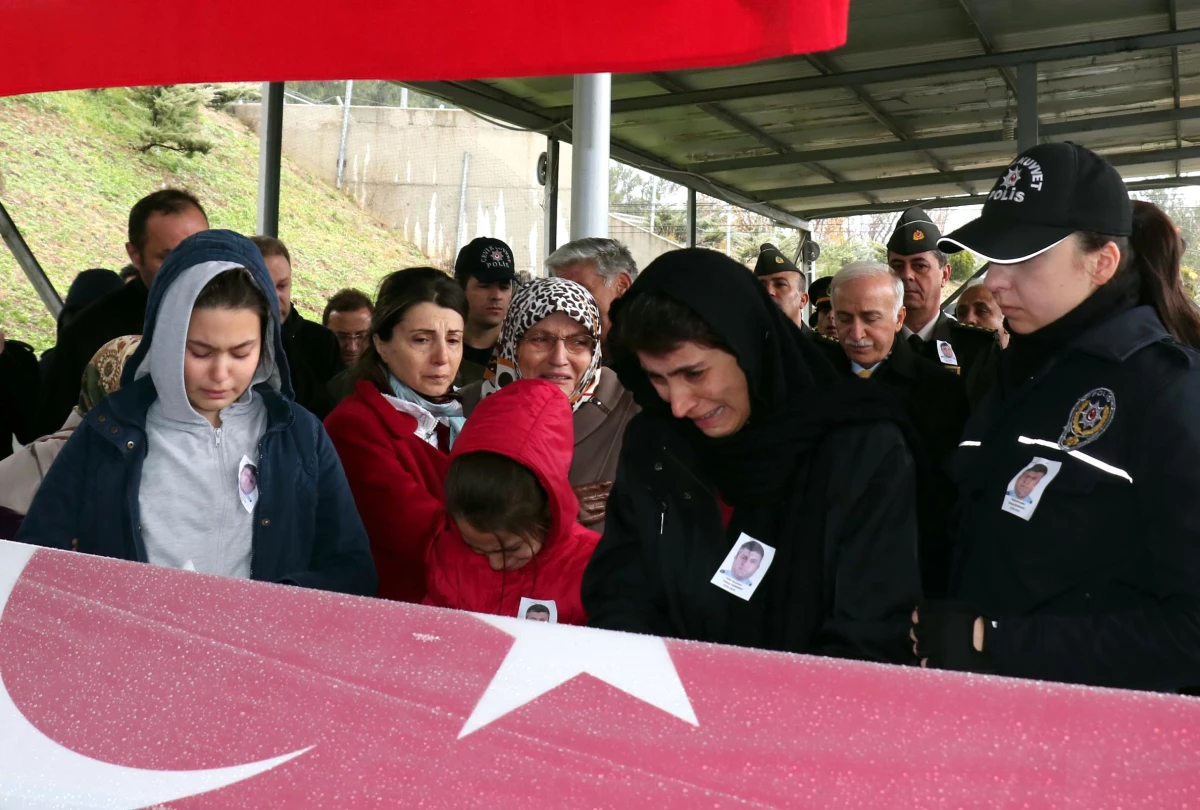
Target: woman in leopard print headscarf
(552,332)
(527,339)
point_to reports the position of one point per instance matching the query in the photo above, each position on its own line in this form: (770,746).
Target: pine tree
(174,117)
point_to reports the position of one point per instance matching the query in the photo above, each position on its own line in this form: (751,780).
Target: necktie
(915,342)
(865,373)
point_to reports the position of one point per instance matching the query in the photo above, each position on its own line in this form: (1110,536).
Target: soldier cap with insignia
(915,233)
(771,261)
(818,293)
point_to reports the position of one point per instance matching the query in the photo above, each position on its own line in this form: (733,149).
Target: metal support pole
(270,152)
(551,224)
(1027,106)
(589,155)
(460,233)
(728,230)
(691,218)
(404,98)
(29,263)
(341,161)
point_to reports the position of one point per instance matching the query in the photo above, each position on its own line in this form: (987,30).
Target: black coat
(937,405)
(664,540)
(120,313)
(19,380)
(1101,583)
(976,349)
(314,358)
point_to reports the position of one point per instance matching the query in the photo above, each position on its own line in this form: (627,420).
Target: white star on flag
(545,656)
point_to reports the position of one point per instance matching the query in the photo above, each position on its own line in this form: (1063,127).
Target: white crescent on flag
(37,773)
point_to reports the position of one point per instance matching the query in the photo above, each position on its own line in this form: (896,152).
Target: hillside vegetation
(70,171)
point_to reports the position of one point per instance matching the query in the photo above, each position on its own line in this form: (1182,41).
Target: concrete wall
(406,167)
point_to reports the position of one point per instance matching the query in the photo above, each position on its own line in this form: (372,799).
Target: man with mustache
(869,312)
(925,271)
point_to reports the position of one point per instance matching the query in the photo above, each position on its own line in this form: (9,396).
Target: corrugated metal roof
(729,115)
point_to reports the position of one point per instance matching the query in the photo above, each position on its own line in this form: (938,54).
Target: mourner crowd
(675,451)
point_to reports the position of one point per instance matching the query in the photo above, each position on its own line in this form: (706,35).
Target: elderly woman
(552,332)
(395,431)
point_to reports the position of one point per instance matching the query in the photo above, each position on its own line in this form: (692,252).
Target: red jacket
(396,479)
(530,422)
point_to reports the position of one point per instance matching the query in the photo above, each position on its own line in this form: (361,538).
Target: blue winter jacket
(306,528)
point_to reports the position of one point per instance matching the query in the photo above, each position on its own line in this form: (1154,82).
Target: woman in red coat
(509,544)
(394,432)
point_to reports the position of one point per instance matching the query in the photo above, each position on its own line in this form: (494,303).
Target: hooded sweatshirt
(530,422)
(192,515)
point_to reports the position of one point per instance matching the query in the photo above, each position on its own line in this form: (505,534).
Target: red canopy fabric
(72,44)
(127,686)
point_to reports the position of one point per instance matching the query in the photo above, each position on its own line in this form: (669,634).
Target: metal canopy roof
(912,108)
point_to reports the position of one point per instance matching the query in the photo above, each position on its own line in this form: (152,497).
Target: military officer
(914,257)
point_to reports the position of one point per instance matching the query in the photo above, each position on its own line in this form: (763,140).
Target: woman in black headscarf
(760,499)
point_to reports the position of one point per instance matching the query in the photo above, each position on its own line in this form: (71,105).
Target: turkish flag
(71,44)
(145,678)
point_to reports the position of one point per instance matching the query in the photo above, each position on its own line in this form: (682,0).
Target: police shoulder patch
(1089,418)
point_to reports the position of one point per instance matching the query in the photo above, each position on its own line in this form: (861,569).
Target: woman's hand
(949,635)
(593,501)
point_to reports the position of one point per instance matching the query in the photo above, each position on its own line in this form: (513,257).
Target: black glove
(945,635)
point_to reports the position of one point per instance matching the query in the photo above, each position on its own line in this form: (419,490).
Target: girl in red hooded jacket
(509,532)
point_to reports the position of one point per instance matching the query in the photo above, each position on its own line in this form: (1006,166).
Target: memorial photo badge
(1026,487)
(744,567)
(538,610)
(1090,417)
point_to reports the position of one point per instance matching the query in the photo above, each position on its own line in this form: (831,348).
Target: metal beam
(1027,107)
(551,219)
(985,40)
(931,179)
(673,85)
(896,73)
(930,203)
(1173,20)
(497,104)
(981,138)
(29,263)
(691,218)
(826,65)
(270,153)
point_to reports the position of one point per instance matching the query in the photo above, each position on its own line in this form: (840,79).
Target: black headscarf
(796,396)
(769,470)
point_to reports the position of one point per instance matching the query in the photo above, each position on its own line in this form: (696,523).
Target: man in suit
(868,311)
(925,271)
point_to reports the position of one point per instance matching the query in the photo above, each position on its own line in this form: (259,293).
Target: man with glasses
(348,316)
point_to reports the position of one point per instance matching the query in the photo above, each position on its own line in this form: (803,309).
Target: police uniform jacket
(975,348)
(1098,582)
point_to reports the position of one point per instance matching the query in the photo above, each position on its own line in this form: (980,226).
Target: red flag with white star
(125,686)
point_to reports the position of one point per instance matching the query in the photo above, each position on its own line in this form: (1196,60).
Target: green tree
(174,117)
(836,255)
(962,266)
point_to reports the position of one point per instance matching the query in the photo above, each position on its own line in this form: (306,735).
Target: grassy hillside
(70,173)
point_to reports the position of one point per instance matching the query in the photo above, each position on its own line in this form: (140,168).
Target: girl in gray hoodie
(205,462)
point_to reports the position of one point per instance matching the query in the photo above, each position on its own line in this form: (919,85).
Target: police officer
(914,257)
(785,283)
(868,310)
(1078,537)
